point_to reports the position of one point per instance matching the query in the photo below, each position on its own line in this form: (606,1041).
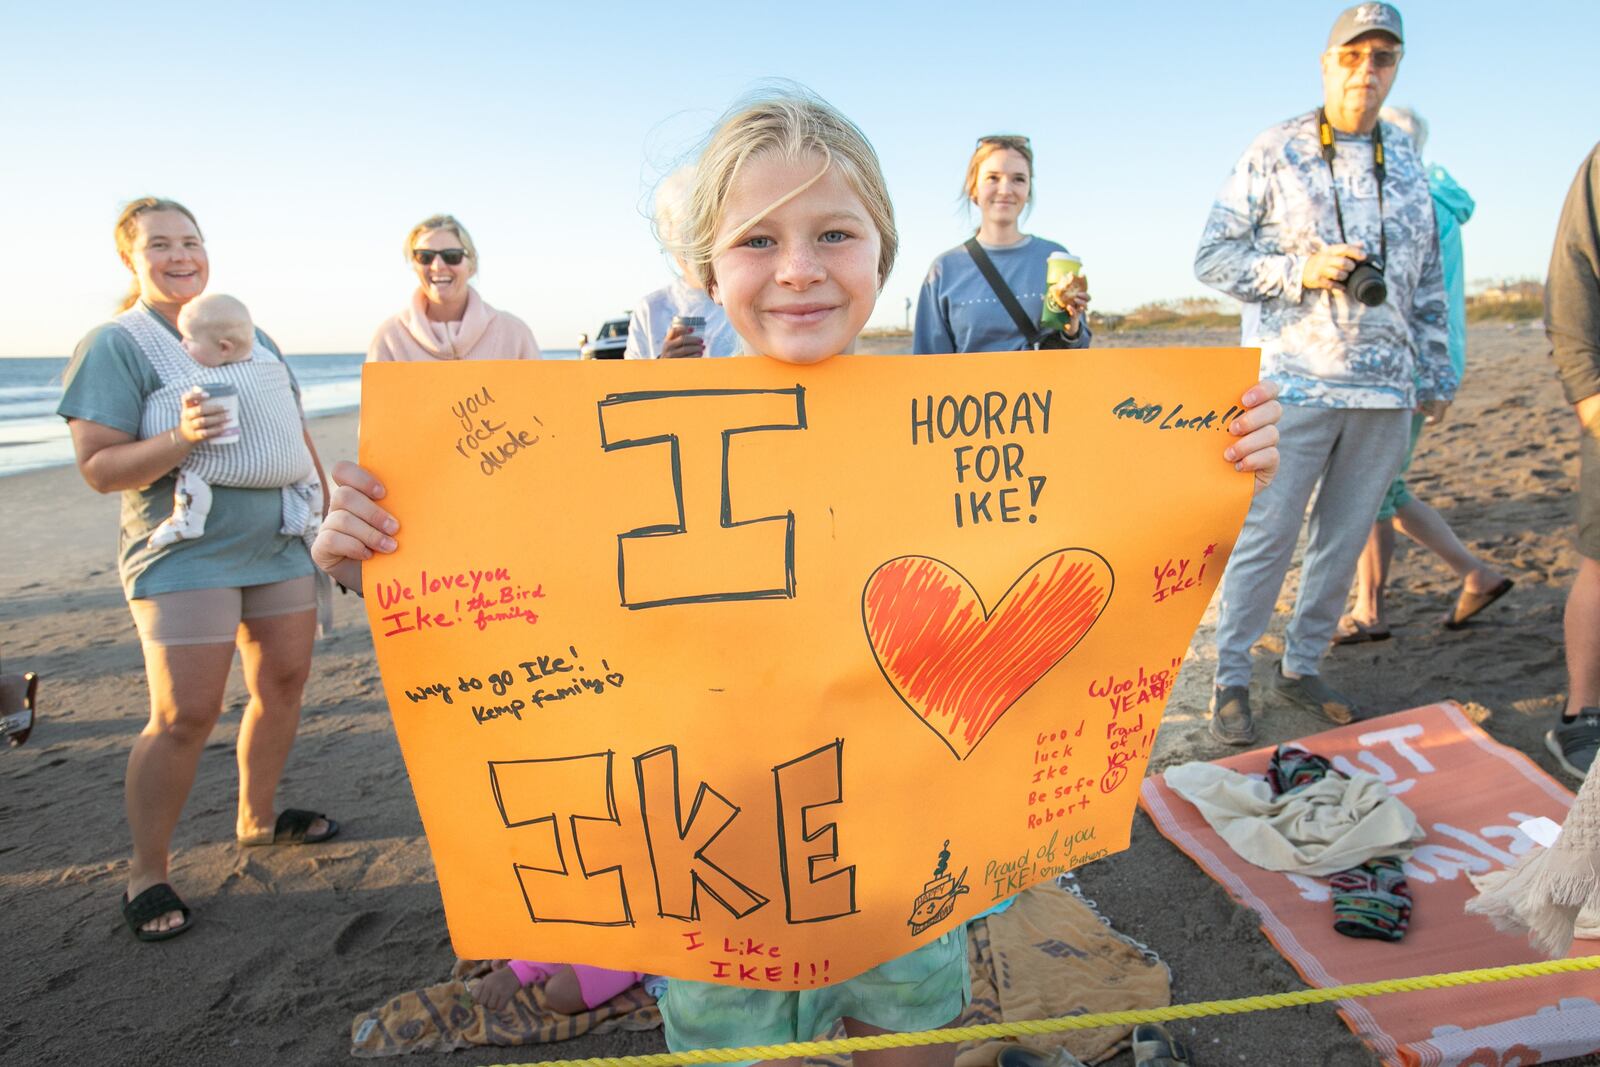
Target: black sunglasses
(452,256)
(1009,140)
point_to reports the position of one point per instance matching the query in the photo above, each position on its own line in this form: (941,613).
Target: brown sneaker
(1312,694)
(1231,721)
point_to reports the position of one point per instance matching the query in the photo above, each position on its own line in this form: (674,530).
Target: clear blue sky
(309,137)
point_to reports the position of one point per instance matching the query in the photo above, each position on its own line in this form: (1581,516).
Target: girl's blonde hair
(792,123)
(127,231)
(443,222)
(988,146)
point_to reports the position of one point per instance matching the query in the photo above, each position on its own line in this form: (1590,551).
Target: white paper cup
(228,397)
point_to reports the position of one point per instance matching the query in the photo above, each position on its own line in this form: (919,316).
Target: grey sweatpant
(1355,453)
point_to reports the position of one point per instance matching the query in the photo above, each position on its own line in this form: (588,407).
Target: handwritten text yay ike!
(479,597)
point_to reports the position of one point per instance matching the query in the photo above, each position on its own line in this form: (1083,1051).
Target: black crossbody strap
(1008,299)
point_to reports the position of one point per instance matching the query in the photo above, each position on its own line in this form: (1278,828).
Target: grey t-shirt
(107,382)
(957,310)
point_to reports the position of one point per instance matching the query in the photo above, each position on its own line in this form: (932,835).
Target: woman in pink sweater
(447,318)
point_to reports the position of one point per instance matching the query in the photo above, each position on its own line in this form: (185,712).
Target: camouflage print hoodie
(1324,348)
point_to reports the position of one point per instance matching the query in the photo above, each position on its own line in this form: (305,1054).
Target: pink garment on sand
(597,984)
(482,333)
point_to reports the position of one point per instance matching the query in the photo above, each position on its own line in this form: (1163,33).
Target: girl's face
(1004,180)
(169,258)
(801,283)
(441,282)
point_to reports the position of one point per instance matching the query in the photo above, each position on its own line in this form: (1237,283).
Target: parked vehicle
(609,342)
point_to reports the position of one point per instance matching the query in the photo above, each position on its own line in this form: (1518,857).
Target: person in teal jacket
(1481,584)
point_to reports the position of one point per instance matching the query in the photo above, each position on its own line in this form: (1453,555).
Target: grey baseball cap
(1365,18)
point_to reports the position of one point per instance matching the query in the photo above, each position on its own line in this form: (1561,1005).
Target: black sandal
(153,903)
(292,828)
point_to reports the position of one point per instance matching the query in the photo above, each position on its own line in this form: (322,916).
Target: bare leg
(1427,527)
(276,654)
(186,687)
(1372,574)
(1583,638)
(563,992)
(917,1056)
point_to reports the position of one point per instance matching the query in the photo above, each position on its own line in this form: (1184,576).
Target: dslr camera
(1366,283)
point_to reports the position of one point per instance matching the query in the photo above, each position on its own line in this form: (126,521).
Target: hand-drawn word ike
(705,553)
(559,809)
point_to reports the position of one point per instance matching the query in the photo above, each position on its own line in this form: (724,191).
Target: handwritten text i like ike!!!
(486,437)
(994,486)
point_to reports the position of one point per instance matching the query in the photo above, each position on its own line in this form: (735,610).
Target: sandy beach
(291,943)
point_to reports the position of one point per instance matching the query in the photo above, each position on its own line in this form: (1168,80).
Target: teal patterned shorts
(922,990)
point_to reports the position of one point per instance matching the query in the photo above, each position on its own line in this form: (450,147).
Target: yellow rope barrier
(986,1031)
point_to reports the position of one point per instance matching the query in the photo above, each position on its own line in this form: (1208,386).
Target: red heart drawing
(960,667)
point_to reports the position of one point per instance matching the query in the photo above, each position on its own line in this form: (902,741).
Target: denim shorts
(922,990)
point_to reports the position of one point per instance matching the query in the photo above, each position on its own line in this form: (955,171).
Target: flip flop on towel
(153,903)
(1353,631)
(1469,604)
(292,828)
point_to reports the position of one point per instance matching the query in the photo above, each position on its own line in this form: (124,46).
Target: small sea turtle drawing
(938,897)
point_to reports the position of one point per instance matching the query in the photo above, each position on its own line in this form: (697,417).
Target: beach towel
(1320,828)
(1050,956)
(1469,794)
(444,1017)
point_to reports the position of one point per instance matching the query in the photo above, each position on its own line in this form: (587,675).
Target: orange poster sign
(760,674)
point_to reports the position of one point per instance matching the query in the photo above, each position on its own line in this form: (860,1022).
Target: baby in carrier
(217,331)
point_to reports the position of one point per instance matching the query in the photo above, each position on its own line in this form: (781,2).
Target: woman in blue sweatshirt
(958,310)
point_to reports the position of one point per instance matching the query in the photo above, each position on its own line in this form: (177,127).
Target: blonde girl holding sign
(791,230)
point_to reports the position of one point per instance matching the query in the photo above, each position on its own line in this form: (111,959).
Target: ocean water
(32,435)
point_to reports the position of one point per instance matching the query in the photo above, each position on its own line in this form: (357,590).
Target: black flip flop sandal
(152,904)
(293,828)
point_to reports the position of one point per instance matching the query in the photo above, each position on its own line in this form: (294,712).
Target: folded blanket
(1317,829)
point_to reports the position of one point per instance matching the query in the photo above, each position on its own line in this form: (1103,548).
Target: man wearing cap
(1572,322)
(1309,202)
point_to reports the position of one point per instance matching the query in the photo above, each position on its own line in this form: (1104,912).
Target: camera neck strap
(1325,132)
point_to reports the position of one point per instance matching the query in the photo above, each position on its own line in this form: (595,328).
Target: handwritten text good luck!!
(1153,414)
